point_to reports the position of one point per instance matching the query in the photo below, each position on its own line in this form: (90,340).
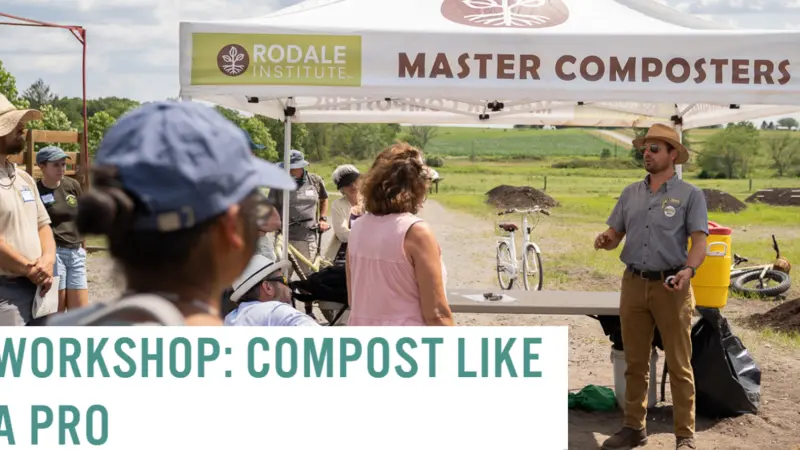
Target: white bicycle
(507,263)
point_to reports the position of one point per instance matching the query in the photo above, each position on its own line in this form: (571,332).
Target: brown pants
(644,305)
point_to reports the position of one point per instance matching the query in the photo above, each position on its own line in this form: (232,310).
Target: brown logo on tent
(506,13)
(233,60)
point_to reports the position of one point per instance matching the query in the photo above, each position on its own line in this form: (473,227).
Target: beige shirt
(340,215)
(22,213)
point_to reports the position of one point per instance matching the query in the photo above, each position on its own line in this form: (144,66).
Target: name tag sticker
(669,211)
(310,192)
(48,198)
(27,195)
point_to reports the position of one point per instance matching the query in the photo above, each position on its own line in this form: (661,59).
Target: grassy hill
(514,143)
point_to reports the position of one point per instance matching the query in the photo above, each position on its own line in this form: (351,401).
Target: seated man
(262,296)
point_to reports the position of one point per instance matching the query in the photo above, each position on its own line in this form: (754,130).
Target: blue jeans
(71,268)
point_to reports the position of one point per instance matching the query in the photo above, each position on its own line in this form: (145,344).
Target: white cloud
(132,45)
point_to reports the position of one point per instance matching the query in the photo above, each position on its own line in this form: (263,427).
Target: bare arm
(341,218)
(348,277)
(323,207)
(423,250)
(48,246)
(697,254)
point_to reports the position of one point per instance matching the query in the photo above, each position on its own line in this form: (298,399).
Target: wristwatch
(694,271)
(323,218)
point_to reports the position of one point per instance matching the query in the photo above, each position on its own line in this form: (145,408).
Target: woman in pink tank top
(395,274)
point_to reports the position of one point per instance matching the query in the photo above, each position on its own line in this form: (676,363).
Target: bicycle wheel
(532,269)
(504,265)
(783,281)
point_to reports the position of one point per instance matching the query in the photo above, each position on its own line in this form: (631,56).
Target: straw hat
(10,116)
(664,133)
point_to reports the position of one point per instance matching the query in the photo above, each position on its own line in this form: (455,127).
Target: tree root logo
(506,13)
(233,60)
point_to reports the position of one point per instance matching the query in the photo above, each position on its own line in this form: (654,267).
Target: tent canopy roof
(539,62)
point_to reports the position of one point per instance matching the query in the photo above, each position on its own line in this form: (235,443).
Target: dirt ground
(776,196)
(717,200)
(776,427)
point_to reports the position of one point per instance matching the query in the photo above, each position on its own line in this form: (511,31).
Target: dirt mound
(521,197)
(719,201)
(776,197)
(784,317)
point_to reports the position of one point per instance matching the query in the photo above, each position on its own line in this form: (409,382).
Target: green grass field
(494,143)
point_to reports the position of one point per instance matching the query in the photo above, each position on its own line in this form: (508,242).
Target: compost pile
(784,317)
(776,197)
(719,201)
(521,197)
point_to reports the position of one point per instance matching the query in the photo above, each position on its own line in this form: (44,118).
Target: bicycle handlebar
(524,211)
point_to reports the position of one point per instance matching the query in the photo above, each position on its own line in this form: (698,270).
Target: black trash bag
(329,284)
(727,379)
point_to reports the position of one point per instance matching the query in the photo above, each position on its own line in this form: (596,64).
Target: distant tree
(421,136)
(53,119)
(605,154)
(763,124)
(38,94)
(99,123)
(8,87)
(784,152)
(788,122)
(260,135)
(771,125)
(730,152)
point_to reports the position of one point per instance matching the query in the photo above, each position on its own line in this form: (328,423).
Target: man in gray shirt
(658,215)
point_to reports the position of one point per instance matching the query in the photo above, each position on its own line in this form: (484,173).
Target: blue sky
(133,44)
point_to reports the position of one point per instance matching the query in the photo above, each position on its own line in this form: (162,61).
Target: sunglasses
(281,279)
(654,148)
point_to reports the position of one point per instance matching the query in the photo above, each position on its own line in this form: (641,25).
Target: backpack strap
(139,309)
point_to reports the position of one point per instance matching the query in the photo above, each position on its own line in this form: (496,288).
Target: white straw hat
(257,269)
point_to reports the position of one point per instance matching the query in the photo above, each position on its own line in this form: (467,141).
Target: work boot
(626,438)
(684,443)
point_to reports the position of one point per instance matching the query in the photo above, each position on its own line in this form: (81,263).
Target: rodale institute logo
(233,60)
(506,13)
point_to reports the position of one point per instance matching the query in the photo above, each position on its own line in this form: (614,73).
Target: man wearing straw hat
(27,247)
(657,216)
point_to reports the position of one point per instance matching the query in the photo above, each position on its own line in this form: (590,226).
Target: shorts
(71,268)
(16,301)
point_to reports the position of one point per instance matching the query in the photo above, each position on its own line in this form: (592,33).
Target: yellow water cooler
(710,284)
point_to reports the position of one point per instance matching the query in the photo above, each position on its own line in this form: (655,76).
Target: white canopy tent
(625,63)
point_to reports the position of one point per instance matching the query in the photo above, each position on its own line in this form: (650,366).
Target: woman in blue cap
(59,195)
(177,194)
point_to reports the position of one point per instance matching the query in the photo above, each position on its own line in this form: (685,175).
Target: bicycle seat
(510,227)
(738,259)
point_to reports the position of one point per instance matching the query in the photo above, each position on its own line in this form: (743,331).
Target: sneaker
(684,443)
(626,438)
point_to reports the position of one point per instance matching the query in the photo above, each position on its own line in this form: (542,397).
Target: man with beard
(27,246)
(657,216)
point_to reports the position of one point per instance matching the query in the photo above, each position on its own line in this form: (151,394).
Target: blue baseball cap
(296,160)
(185,162)
(50,153)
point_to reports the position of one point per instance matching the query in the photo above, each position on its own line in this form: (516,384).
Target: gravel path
(468,249)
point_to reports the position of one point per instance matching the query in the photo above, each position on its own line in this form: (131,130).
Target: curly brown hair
(397,181)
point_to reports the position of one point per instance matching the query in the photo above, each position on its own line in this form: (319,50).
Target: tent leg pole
(677,125)
(287,146)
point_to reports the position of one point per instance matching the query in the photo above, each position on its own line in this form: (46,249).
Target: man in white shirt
(262,295)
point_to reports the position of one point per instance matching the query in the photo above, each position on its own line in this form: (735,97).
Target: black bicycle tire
(783,279)
(500,246)
(538,264)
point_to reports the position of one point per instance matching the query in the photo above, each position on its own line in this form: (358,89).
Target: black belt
(653,275)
